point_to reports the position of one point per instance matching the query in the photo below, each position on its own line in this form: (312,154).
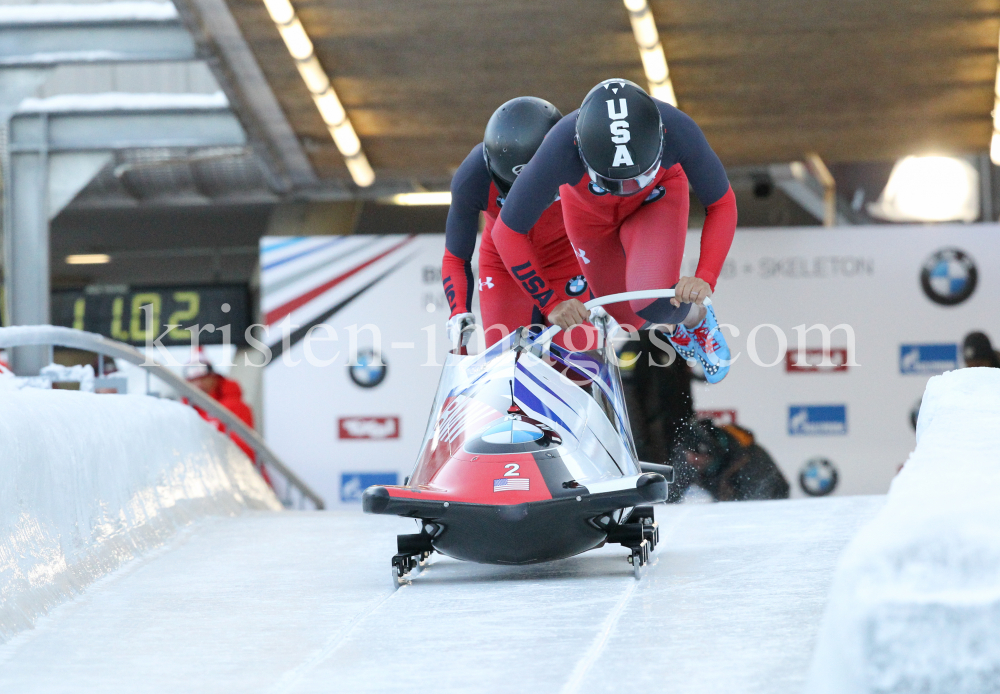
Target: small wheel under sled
(643,516)
(639,558)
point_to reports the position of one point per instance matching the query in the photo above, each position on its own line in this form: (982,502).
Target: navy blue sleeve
(685,143)
(470,195)
(556,162)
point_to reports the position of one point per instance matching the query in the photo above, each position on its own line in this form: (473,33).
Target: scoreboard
(121,313)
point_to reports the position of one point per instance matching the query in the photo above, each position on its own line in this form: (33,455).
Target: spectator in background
(726,462)
(978,351)
(228,394)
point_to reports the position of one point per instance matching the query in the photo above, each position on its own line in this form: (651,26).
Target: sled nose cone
(375,499)
(652,487)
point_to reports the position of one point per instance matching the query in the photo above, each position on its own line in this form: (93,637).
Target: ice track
(301,602)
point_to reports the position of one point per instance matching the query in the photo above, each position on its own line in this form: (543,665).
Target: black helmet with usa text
(513,134)
(619,134)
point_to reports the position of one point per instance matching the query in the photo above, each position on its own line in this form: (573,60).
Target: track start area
(302,602)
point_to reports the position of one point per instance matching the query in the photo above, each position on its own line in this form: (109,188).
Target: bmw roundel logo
(369,370)
(655,194)
(576,286)
(596,189)
(949,277)
(818,477)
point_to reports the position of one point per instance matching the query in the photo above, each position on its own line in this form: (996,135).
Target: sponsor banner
(353,484)
(909,293)
(817,420)
(720,418)
(378,428)
(817,360)
(928,360)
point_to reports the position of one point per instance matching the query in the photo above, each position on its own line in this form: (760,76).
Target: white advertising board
(342,433)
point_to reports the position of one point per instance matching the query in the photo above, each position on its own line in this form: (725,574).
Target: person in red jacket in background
(228,394)
(480,186)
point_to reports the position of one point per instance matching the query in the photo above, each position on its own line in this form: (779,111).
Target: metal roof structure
(766,79)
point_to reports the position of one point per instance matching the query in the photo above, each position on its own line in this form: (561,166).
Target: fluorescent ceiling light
(88,259)
(929,189)
(296,39)
(313,75)
(300,47)
(346,139)
(436,198)
(654,62)
(281,11)
(644,29)
(361,170)
(330,107)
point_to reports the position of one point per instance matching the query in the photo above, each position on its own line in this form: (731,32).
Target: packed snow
(301,603)
(89,482)
(915,604)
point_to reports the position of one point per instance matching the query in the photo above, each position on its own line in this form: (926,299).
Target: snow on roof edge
(121,101)
(64,13)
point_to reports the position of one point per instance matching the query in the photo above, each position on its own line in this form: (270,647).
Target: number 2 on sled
(512,470)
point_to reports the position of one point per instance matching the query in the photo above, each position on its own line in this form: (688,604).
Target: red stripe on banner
(277,314)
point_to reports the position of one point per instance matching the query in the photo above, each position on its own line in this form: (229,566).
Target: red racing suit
(507,300)
(623,243)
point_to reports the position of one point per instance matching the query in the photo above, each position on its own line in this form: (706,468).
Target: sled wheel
(396,578)
(637,562)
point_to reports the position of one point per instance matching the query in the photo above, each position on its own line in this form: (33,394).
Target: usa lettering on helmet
(611,109)
(619,132)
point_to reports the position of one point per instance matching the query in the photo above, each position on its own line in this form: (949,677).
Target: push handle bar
(552,331)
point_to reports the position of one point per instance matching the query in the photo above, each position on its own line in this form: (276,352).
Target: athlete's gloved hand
(569,313)
(460,329)
(691,290)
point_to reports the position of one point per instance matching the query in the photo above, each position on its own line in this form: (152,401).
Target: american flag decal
(506,484)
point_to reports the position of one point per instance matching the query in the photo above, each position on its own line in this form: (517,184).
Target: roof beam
(124,121)
(238,71)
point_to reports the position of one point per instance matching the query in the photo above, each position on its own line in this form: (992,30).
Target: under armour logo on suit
(486,283)
(582,255)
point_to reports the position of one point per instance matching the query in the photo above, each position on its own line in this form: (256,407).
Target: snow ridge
(89,482)
(915,602)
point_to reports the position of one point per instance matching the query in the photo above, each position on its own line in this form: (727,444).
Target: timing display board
(117,312)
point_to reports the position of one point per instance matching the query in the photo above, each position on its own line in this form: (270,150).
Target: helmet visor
(625,186)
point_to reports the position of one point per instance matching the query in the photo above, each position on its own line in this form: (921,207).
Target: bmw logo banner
(818,477)
(370,369)
(949,277)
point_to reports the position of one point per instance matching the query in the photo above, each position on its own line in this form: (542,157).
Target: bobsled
(528,457)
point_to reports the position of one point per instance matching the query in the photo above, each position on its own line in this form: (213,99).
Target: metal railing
(21,336)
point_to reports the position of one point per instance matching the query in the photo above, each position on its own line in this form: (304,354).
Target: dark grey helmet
(513,134)
(619,134)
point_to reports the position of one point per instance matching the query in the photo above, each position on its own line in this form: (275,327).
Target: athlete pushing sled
(620,166)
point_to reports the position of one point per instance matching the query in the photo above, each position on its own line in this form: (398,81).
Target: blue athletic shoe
(704,343)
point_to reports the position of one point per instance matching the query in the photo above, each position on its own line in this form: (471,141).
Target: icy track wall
(88,482)
(915,602)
